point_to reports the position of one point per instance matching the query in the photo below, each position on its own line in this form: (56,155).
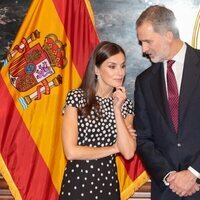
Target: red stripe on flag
(20,153)
(134,166)
(81,33)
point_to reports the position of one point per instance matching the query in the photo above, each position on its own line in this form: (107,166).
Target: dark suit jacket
(162,149)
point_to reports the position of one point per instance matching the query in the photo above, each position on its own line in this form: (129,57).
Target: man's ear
(169,36)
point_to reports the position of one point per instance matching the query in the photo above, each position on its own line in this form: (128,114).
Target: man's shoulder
(150,71)
(192,49)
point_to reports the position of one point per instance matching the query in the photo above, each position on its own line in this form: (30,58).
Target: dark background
(11,16)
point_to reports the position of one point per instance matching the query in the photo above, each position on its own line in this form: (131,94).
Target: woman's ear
(96,70)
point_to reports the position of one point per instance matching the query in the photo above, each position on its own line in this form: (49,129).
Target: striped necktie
(173,97)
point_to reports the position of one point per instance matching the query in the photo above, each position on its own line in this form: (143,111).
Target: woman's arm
(70,138)
(126,140)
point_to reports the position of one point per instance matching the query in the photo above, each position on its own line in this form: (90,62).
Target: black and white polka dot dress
(93,179)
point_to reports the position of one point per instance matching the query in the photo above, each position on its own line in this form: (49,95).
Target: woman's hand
(119,97)
(132,131)
(116,147)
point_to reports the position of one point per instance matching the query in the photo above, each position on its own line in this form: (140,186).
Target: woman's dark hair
(103,51)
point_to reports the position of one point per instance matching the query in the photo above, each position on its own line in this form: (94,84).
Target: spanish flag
(46,60)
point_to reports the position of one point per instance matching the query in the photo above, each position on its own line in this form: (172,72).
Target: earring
(98,77)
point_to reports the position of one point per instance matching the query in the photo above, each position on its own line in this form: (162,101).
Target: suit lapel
(191,75)
(159,92)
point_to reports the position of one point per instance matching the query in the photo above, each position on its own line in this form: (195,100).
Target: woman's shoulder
(78,92)
(129,102)
(128,106)
(76,98)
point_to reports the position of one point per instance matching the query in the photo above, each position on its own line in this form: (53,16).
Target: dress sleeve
(75,98)
(127,108)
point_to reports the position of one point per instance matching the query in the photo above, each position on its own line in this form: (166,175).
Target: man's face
(154,45)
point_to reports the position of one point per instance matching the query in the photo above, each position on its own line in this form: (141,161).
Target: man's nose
(145,48)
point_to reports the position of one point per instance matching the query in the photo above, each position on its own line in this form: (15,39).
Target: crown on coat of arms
(55,51)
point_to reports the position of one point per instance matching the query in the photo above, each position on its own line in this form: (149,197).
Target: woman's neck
(104,92)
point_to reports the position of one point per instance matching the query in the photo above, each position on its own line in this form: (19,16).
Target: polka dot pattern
(93,179)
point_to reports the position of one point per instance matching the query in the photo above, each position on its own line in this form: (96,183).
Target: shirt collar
(180,56)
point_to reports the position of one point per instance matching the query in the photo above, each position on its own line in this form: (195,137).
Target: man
(167,107)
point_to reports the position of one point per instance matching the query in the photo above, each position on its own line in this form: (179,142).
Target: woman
(97,125)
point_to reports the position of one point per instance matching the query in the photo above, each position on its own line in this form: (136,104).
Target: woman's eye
(123,66)
(111,66)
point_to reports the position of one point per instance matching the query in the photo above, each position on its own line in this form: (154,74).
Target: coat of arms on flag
(34,64)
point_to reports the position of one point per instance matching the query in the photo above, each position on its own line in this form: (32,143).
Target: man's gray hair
(161,18)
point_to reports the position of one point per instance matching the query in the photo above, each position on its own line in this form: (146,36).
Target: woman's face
(112,71)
